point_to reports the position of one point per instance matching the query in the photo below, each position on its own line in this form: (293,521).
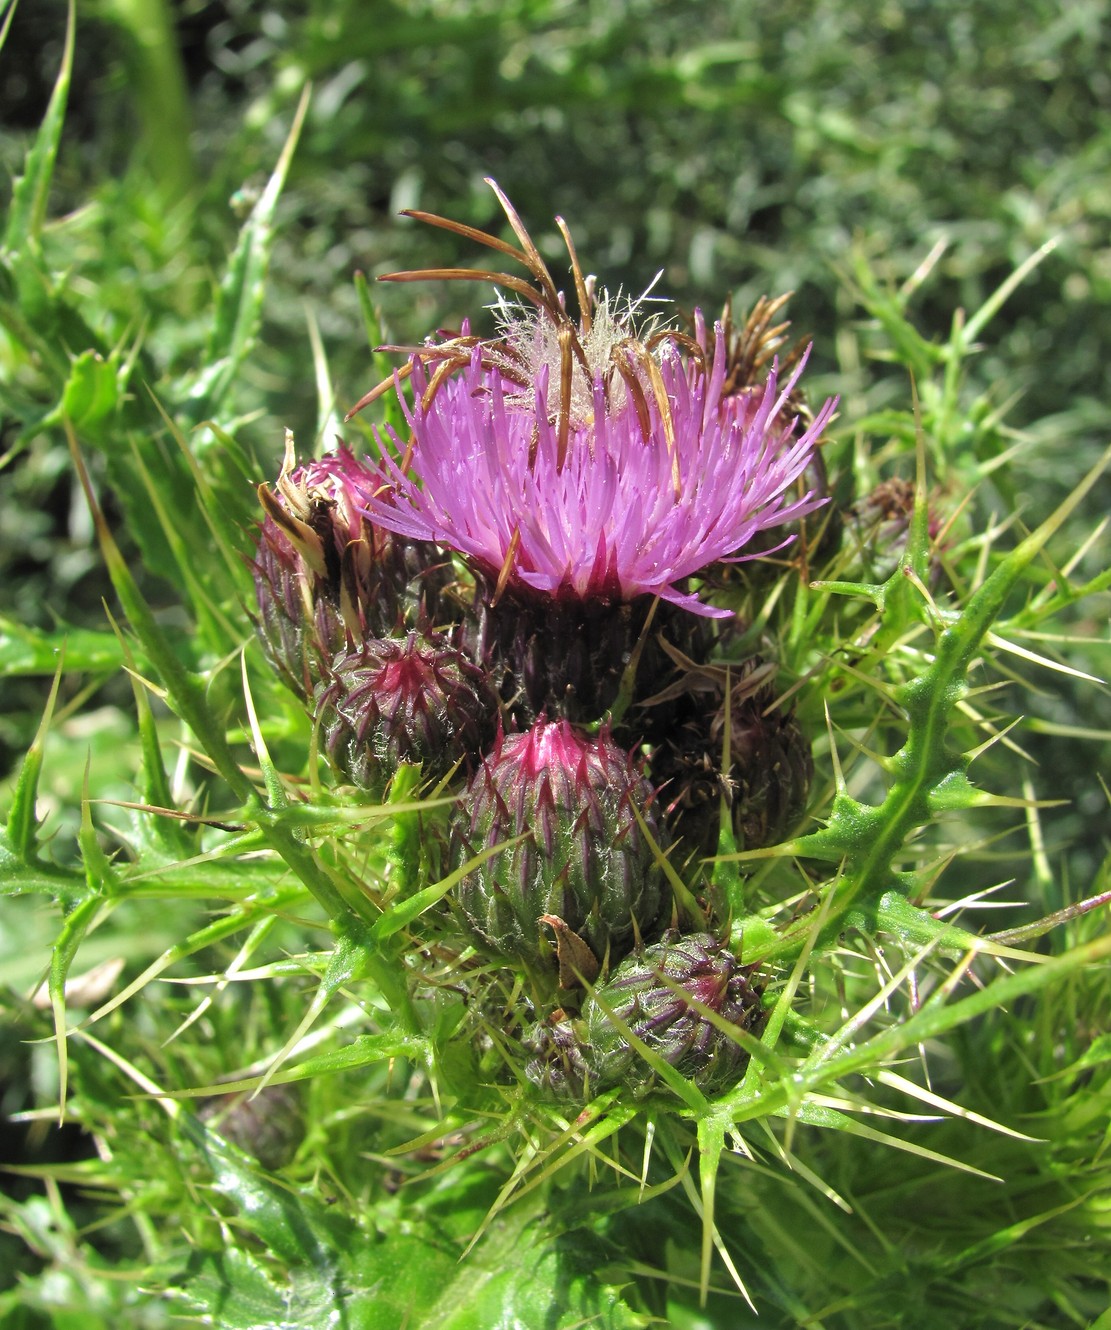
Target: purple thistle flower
(652,489)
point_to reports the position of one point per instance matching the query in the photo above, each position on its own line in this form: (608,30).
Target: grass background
(741,148)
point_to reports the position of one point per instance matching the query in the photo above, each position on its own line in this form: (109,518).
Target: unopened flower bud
(771,767)
(412,699)
(879,524)
(652,993)
(558,1068)
(567,802)
(268,1125)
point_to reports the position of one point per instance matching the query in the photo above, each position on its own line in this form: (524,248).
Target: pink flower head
(649,489)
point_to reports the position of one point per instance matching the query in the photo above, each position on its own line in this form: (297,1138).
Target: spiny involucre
(566,800)
(648,994)
(771,766)
(411,699)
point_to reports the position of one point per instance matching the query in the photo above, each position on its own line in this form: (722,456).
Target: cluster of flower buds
(520,597)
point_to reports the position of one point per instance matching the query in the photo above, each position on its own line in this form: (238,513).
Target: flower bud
(268,1125)
(772,767)
(325,576)
(770,771)
(879,524)
(558,1068)
(580,854)
(412,699)
(649,994)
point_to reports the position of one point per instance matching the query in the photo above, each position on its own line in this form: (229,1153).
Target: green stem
(160,93)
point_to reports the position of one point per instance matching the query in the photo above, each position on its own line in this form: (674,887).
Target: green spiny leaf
(207,936)
(69,939)
(21,831)
(239,304)
(366,1051)
(234,1289)
(349,962)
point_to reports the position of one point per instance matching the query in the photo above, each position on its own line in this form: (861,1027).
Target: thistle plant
(547,884)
